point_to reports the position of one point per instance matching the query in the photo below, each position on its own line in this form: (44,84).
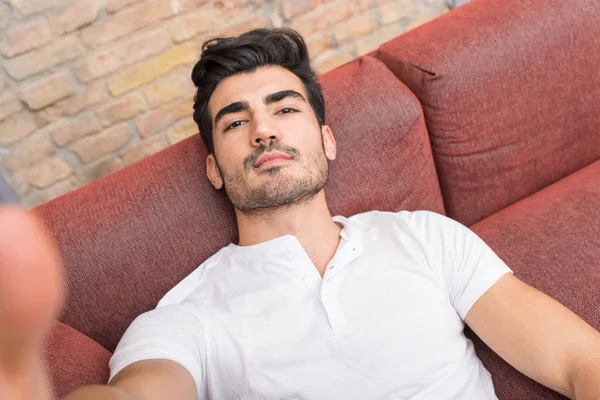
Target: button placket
(304,266)
(331,306)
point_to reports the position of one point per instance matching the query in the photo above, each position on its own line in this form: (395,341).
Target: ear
(213,172)
(328,143)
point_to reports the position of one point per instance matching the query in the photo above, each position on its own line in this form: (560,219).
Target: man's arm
(143,380)
(31,288)
(540,337)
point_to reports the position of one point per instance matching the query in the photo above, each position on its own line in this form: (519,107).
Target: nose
(264,131)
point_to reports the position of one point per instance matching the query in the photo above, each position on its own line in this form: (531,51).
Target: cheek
(230,163)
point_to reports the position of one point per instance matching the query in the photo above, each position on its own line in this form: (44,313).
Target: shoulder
(193,281)
(413,220)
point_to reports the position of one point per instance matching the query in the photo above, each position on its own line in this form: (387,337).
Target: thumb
(31,291)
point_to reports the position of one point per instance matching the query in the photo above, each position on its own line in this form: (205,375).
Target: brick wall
(90,86)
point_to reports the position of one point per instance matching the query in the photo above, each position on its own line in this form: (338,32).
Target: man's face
(269,150)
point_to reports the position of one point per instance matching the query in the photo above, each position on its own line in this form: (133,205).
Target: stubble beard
(278,191)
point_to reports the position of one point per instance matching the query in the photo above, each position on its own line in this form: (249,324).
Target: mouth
(270,159)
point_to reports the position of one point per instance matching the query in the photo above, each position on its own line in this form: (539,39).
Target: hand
(31,291)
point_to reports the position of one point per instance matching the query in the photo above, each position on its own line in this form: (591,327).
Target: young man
(306,305)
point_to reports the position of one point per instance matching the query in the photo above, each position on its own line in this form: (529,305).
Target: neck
(310,222)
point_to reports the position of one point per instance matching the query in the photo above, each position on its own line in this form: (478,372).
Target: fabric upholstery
(510,92)
(71,359)
(384,157)
(128,238)
(551,240)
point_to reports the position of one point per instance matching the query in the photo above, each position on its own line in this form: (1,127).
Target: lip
(270,158)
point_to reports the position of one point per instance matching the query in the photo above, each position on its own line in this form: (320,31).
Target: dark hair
(226,56)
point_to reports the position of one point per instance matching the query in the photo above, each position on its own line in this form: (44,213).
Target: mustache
(273,146)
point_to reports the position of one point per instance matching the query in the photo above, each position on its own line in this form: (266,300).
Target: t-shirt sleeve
(170,332)
(466,265)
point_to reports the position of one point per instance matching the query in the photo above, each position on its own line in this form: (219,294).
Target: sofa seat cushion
(551,240)
(73,360)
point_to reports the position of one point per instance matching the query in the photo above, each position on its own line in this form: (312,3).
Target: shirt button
(289,250)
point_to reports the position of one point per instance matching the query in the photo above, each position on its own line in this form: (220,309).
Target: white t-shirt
(384,322)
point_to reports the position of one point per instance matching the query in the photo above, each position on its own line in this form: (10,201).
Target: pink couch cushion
(128,238)
(72,360)
(552,241)
(510,92)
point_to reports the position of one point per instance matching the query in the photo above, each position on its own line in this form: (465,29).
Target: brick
(99,169)
(357,26)
(426,16)
(318,43)
(235,3)
(244,24)
(139,74)
(5,15)
(52,192)
(187,5)
(331,59)
(28,151)
(143,150)
(157,121)
(51,113)
(124,54)
(202,20)
(47,90)
(167,89)
(322,17)
(68,131)
(275,18)
(16,127)
(18,181)
(389,32)
(93,147)
(367,43)
(58,51)
(9,105)
(292,8)
(182,130)
(46,172)
(76,15)
(26,36)
(374,3)
(128,21)
(396,10)
(95,93)
(33,6)
(115,5)
(123,108)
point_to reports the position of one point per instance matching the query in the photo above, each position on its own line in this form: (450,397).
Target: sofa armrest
(72,359)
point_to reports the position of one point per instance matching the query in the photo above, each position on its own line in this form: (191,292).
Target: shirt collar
(351,233)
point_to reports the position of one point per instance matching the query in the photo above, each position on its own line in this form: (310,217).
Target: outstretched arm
(31,289)
(539,337)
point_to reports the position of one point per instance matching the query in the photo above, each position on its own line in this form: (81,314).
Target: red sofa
(489,114)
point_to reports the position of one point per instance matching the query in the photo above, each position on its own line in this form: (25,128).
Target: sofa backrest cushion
(510,92)
(128,238)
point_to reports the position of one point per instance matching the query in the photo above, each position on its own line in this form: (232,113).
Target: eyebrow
(278,96)
(243,105)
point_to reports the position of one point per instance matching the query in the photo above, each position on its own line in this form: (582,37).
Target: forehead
(253,87)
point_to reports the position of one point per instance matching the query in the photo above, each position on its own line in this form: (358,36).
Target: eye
(287,110)
(234,124)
